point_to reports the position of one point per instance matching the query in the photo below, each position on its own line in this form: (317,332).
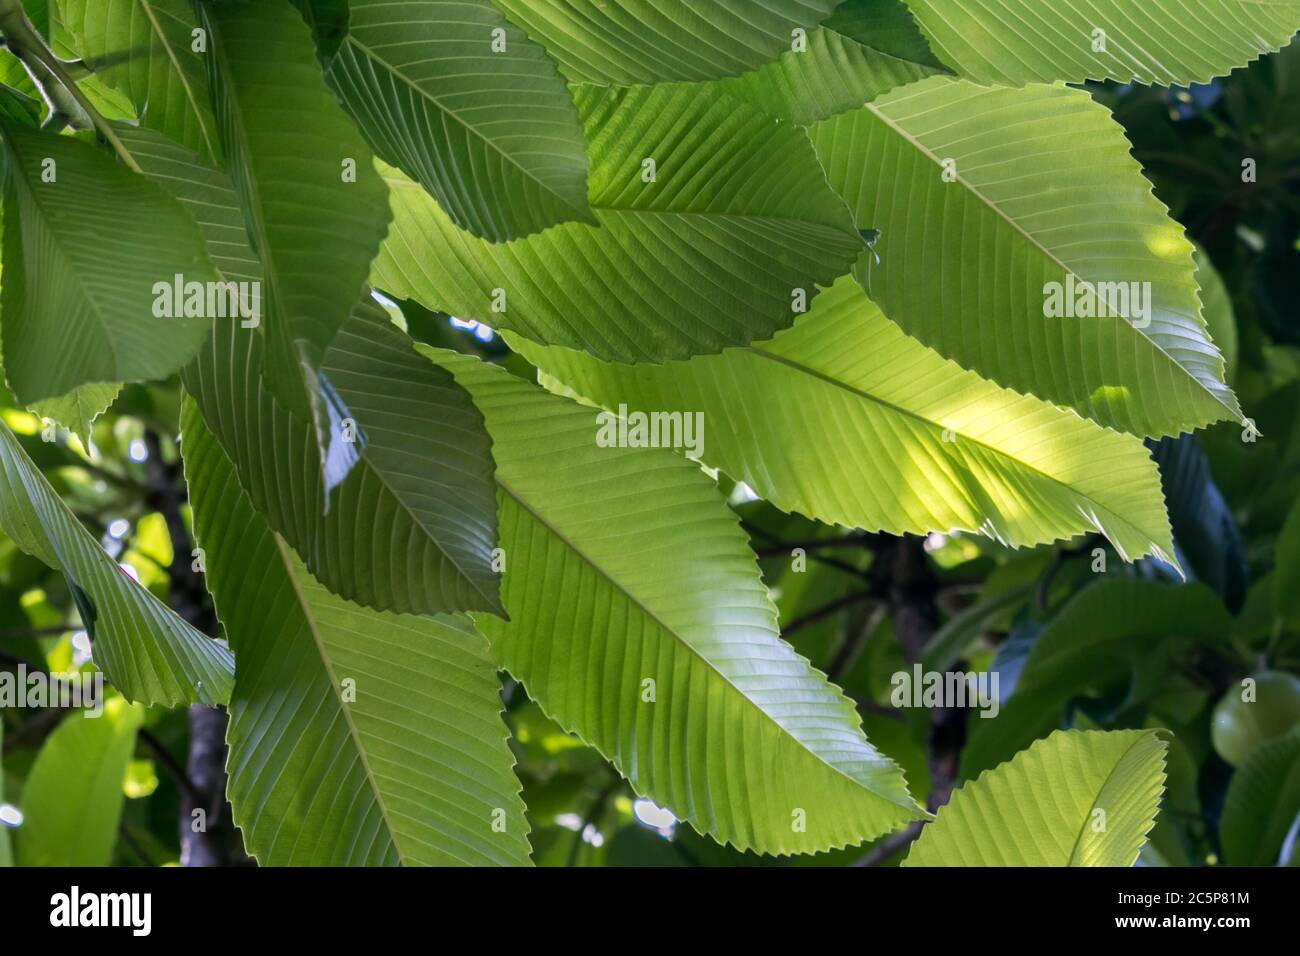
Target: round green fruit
(1239,726)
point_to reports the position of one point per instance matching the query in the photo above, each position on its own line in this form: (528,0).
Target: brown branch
(848,652)
(34,731)
(780,550)
(862,540)
(217,844)
(891,845)
(913,590)
(829,610)
(14,633)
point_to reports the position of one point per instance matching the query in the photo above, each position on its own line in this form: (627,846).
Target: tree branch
(891,845)
(216,843)
(812,617)
(913,590)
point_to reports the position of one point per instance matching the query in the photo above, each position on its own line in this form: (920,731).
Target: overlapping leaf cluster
(827,226)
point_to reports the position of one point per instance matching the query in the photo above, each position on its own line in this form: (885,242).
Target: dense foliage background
(1078,637)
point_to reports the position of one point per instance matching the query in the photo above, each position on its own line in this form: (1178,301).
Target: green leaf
(1078,798)
(205,193)
(1114,632)
(6,847)
(328,20)
(1205,531)
(1219,318)
(884,25)
(491,132)
(951,640)
(83,252)
(18,106)
(867,48)
(73,797)
(14,74)
(144,48)
(1263,804)
(1043,191)
(1163,42)
(356,738)
(704,257)
(847,420)
(1286,576)
(314,206)
(412,526)
(651,41)
(425,463)
(149,653)
(639,621)
(78,410)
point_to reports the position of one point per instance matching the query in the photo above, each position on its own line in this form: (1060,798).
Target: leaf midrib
(310,618)
(370,53)
(415,520)
(929,154)
(256,214)
(408,183)
(95,309)
(197,105)
(1110,775)
(1000,454)
(679,640)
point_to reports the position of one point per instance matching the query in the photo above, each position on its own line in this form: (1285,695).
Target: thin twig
(31,733)
(170,765)
(780,550)
(887,848)
(818,544)
(124,832)
(589,818)
(848,653)
(812,617)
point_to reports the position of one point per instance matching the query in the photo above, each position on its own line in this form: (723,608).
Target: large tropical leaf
(639,622)
(315,208)
(73,797)
(1166,42)
(1114,634)
(847,420)
(1078,798)
(204,192)
(146,650)
(356,738)
(412,526)
(650,41)
(482,121)
(1263,804)
(1043,191)
(144,48)
(708,254)
(83,251)
(867,48)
